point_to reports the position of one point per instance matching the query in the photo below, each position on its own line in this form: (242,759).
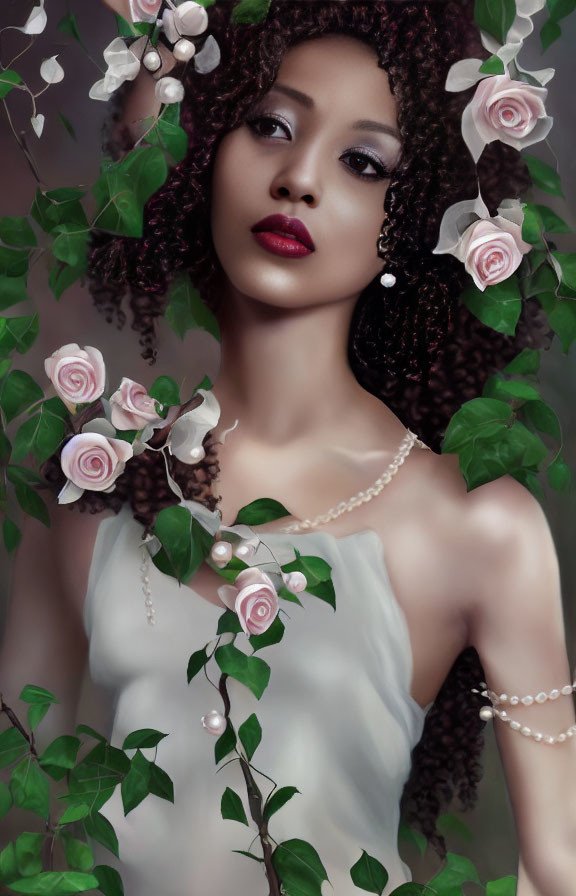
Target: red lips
(285,227)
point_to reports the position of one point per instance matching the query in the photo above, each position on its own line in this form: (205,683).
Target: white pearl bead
(184,50)
(554,694)
(387,280)
(515,726)
(197,454)
(561,738)
(538,736)
(567,689)
(514,701)
(549,739)
(526,731)
(569,733)
(541,697)
(528,701)
(221,553)
(486,713)
(503,698)
(152,61)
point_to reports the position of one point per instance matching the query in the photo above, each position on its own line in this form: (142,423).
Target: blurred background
(66,160)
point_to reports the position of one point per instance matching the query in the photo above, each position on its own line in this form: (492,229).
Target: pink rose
(214,722)
(131,406)
(253,598)
(491,250)
(78,375)
(93,461)
(507,110)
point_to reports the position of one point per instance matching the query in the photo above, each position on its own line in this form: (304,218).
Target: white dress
(337,717)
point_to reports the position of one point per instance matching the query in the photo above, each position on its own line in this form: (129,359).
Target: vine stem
(17,724)
(255,803)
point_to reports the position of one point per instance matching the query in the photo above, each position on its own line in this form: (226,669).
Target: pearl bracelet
(488,712)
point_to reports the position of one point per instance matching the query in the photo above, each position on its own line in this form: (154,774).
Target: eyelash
(381,171)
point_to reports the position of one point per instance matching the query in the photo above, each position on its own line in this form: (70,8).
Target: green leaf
(449,824)
(250,12)
(543,175)
(166,390)
(456,872)
(109,758)
(41,434)
(99,828)
(559,9)
(559,475)
(407,834)
(16,231)
(8,868)
(13,745)
(543,418)
(299,868)
(250,734)
(492,66)
(231,806)
(562,319)
(228,622)
(316,569)
(498,306)
(86,729)
(479,418)
(5,799)
(12,291)
(11,534)
(123,189)
(369,874)
(125,28)
(504,886)
(196,662)
(18,333)
(70,245)
(143,738)
(186,310)
(18,392)
(567,261)
(109,881)
(34,694)
(263,510)
(532,225)
(63,276)
(62,206)
(78,854)
(30,788)
(249,670)
(412,889)
(225,743)
(498,387)
(67,125)
(168,134)
(55,883)
(515,448)
(495,17)
(272,635)
(135,786)
(14,262)
(527,362)
(173,528)
(5,447)
(278,799)
(74,813)
(36,713)
(160,783)
(250,855)
(28,849)
(32,504)
(543,279)
(61,752)
(552,222)
(69,25)
(8,80)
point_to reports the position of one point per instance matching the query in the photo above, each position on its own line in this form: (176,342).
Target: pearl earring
(386,279)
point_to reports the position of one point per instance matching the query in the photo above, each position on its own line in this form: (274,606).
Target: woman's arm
(516,624)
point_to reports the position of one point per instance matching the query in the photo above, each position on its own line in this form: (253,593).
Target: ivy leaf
(225,743)
(527,362)
(559,9)
(18,392)
(273,635)
(410,835)
(5,801)
(249,670)
(34,694)
(109,881)
(74,813)
(278,799)
(67,125)
(55,207)
(498,387)
(30,788)
(231,806)
(143,738)
(135,786)
(99,828)
(516,448)
(457,871)
(495,17)
(63,883)
(63,276)
(543,279)
(449,823)
(12,291)
(41,434)
(160,783)
(70,245)
(8,80)
(562,319)
(250,855)
(16,231)
(250,734)
(28,850)
(479,418)
(166,390)
(504,886)
(369,874)
(69,25)
(173,528)
(62,752)
(86,729)
(228,622)
(250,12)
(299,868)
(543,175)
(168,134)
(11,534)
(551,221)
(543,418)
(567,261)
(263,510)
(18,333)
(78,854)
(123,189)
(492,66)
(498,306)
(412,889)
(532,225)
(13,745)
(32,504)
(559,475)
(549,32)
(196,662)
(8,867)
(186,310)
(14,262)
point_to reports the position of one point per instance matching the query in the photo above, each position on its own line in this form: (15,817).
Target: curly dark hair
(418,349)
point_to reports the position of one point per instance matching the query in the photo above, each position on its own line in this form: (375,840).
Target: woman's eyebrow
(364,124)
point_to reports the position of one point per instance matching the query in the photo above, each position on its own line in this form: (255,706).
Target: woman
(425,575)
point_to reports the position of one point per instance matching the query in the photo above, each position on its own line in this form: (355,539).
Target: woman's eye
(358,162)
(267,126)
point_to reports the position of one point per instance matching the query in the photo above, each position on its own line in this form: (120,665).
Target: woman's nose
(298,179)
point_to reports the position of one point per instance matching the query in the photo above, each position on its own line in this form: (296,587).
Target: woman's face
(318,149)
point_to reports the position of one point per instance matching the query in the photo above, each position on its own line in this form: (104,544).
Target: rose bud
(131,407)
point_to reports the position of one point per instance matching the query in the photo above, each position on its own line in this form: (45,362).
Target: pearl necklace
(362,497)
(489,712)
